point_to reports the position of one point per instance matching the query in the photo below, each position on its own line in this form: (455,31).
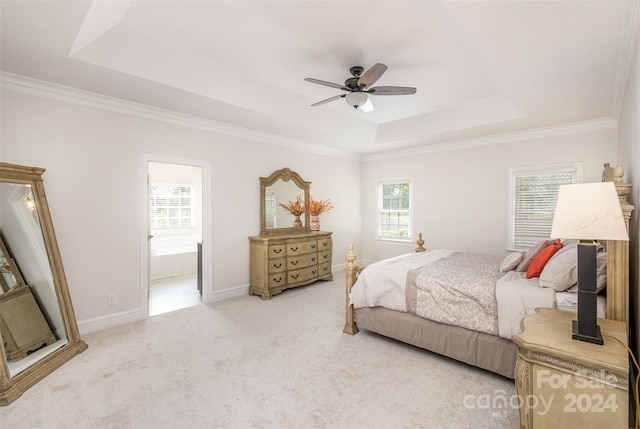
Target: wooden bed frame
(485,351)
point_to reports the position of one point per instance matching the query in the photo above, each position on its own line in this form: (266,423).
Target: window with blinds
(534,196)
(171,206)
(394,209)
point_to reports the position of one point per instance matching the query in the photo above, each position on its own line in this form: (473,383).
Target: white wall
(93,161)
(461,196)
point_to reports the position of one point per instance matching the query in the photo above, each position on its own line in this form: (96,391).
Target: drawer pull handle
(313,259)
(276,251)
(294,262)
(278,280)
(313,272)
(293,249)
(277,265)
(313,246)
(325,244)
(294,276)
(325,256)
(325,268)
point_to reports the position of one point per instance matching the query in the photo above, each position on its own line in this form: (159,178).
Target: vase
(315,224)
(297,223)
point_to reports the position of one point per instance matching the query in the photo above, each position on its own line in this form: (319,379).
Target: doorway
(176,221)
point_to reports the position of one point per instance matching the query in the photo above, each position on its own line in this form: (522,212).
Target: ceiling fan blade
(325,83)
(372,75)
(335,97)
(392,90)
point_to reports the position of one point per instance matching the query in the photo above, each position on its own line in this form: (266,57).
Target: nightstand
(567,383)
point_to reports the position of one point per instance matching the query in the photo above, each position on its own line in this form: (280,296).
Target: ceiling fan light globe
(368,106)
(355,99)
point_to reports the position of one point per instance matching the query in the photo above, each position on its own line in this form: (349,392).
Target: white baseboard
(221,295)
(101,323)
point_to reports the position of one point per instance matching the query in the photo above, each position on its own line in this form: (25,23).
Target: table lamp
(587,212)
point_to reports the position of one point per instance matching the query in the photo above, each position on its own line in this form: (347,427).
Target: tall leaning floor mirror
(37,324)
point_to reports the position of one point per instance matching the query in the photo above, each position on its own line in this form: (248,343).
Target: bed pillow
(601,273)
(531,253)
(541,259)
(511,261)
(561,272)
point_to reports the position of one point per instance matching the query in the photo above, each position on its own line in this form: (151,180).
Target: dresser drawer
(277,265)
(277,279)
(324,256)
(277,251)
(302,247)
(302,261)
(295,276)
(324,244)
(324,268)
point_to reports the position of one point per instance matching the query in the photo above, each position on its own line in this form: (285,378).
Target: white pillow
(561,272)
(511,261)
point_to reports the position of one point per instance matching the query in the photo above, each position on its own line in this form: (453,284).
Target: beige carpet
(248,363)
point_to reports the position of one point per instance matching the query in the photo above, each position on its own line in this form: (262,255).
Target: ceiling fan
(358,87)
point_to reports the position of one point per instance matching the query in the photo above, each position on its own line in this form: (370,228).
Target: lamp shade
(589,211)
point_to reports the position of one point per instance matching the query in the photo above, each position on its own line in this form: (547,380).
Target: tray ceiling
(481,67)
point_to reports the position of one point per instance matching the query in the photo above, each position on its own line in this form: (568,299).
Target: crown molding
(535,133)
(27,85)
(629,33)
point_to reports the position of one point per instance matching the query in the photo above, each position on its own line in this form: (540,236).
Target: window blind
(535,202)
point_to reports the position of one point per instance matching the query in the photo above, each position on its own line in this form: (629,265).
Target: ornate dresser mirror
(37,323)
(282,186)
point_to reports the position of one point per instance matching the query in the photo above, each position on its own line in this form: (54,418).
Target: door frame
(207,291)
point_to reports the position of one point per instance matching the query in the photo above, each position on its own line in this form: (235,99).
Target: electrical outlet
(111,299)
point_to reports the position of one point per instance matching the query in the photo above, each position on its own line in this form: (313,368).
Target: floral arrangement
(317,207)
(295,208)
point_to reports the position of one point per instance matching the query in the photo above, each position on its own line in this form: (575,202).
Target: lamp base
(588,338)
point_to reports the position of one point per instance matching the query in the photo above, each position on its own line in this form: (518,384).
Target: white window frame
(378,234)
(190,217)
(574,167)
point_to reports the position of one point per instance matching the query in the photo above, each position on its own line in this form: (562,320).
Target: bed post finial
(351,256)
(350,274)
(420,242)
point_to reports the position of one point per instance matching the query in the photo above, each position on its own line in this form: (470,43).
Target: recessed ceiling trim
(536,133)
(22,84)
(101,17)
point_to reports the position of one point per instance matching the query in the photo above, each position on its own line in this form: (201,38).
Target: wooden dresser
(283,261)
(567,383)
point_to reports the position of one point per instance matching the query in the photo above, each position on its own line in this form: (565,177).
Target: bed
(467,306)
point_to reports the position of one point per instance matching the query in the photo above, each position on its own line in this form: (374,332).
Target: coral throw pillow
(541,259)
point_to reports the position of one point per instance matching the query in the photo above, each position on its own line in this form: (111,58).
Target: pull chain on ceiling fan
(358,87)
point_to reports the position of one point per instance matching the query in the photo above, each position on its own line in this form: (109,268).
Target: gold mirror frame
(285,175)
(12,387)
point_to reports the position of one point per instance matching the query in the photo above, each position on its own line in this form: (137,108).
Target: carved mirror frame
(285,175)
(11,387)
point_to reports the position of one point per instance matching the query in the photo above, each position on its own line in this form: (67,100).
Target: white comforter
(383,284)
